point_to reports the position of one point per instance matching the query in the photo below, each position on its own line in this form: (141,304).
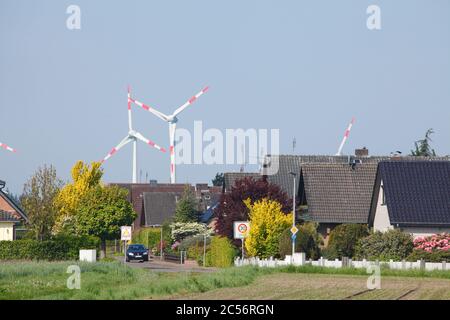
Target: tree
(186,210)
(267,223)
(84,179)
(308,241)
(102,211)
(232,208)
(218,180)
(37,201)
(343,240)
(423,147)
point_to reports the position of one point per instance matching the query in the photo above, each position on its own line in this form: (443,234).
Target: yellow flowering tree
(85,177)
(267,223)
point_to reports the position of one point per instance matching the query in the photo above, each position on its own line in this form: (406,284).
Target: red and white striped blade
(122,143)
(6,147)
(149,142)
(190,101)
(150,109)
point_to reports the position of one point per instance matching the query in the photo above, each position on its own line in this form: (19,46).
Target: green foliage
(221,253)
(59,248)
(343,240)
(218,180)
(186,210)
(149,237)
(103,211)
(423,147)
(393,244)
(267,223)
(308,241)
(435,256)
(38,201)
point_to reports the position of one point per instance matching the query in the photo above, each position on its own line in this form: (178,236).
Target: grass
(113,280)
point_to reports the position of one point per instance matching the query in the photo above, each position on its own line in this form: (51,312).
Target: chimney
(364,152)
(153,183)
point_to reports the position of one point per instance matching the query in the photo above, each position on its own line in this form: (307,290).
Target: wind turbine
(132,136)
(6,147)
(172,121)
(344,139)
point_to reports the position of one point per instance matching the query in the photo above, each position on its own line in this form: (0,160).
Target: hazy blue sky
(305,67)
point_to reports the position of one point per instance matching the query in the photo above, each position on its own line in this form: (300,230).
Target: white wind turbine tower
(6,147)
(172,121)
(132,136)
(344,139)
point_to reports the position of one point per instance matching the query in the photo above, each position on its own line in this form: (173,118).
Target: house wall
(424,231)
(6,231)
(381,220)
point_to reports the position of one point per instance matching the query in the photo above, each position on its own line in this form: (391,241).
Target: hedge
(308,241)
(221,253)
(149,237)
(343,240)
(60,248)
(435,256)
(393,244)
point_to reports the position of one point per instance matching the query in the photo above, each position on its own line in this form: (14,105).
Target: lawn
(113,280)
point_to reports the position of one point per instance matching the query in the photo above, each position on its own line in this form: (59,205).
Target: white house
(10,216)
(413,196)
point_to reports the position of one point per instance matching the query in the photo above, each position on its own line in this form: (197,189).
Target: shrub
(436,242)
(435,256)
(308,241)
(393,244)
(221,253)
(60,248)
(149,237)
(181,230)
(343,240)
(267,223)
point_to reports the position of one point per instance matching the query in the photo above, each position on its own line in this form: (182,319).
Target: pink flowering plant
(434,243)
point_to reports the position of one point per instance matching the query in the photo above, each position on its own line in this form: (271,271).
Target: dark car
(137,252)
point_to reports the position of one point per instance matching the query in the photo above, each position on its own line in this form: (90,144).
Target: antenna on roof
(344,139)
(294,144)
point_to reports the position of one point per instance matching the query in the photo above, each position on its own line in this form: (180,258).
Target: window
(383,198)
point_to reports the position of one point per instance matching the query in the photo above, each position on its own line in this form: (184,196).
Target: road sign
(293,237)
(125,233)
(294,230)
(241,229)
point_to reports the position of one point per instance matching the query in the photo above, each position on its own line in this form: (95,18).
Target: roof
(338,192)
(19,213)
(416,192)
(159,206)
(231,177)
(8,217)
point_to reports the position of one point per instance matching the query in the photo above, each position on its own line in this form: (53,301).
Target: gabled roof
(231,177)
(8,217)
(338,192)
(18,214)
(159,207)
(416,192)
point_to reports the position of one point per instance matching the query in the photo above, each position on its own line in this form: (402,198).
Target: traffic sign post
(125,235)
(241,230)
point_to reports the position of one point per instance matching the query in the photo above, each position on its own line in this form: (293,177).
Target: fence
(299,259)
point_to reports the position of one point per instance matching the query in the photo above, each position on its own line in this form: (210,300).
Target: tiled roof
(338,192)
(231,177)
(8,216)
(159,207)
(417,192)
(19,213)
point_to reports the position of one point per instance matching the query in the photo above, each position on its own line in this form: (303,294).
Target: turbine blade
(6,147)
(346,134)
(149,142)
(121,144)
(157,113)
(190,101)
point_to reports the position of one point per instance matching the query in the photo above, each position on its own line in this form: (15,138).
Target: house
(413,196)
(155,202)
(11,215)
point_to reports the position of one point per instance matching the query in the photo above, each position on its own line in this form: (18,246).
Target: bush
(393,244)
(436,242)
(181,230)
(343,240)
(308,241)
(221,253)
(435,256)
(59,248)
(149,237)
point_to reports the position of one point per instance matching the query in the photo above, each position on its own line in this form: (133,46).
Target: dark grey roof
(288,163)
(14,205)
(416,192)
(231,177)
(338,192)
(7,216)
(159,206)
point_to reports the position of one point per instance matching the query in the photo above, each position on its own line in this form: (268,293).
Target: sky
(303,67)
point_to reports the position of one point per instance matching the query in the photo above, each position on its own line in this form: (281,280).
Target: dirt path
(316,286)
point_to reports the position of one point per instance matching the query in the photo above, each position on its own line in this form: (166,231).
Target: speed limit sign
(241,229)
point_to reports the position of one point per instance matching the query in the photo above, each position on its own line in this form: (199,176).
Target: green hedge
(308,240)
(343,240)
(435,256)
(149,237)
(59,248)
(221,253)
(392,244)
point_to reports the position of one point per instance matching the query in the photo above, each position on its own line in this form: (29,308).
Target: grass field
(113,280)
